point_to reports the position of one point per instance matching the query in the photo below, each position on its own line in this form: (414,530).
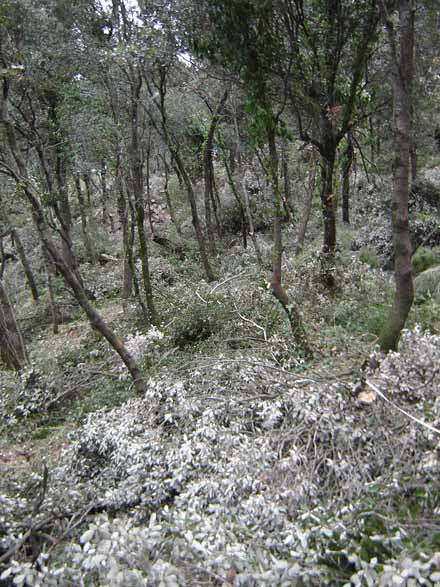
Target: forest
(219,293)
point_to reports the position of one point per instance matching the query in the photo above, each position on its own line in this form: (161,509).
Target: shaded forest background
(219,292)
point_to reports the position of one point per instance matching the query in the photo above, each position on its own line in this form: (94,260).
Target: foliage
(424,258)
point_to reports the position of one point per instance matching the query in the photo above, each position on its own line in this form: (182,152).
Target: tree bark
(127,254)
(308,199)
(208,171)
(12,347)
(402,74)
(347,161)
(91,254)
(137,179)
(26,265)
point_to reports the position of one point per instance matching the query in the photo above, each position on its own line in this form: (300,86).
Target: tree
(243,37)
(16,166)
(402,62)
(330,43)
(12,348)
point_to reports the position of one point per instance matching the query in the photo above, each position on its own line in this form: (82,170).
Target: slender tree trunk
(238,199)
(242,188)
(347,161)
(107,219)
(308,199)
(168,197)
(127,280)
(12,347)
(137,178)
(148,183)
(178,163)
(91,255)
(328,157)
(208,171)
(50,272)
(26,266)
(402,74)
(278,291)
(286,196)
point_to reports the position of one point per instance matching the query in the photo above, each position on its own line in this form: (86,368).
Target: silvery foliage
(230,465)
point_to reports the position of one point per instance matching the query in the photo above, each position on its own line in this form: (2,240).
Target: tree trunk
(148,183)
(328,157)
(91,255)
(107,219)
(182,173)
(137,179)
(402,73)
(168,197)
(127,280)
(208,171)
(278,291)
(347,161)
(244,192)
(287,199)
(308,199)
(26,266)
(48,263)
(12,348)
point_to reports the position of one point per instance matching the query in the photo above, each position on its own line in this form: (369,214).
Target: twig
(407,414)
(251,322)
(227,281)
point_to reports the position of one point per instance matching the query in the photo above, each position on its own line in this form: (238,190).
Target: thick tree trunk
(402,73)
(12,347)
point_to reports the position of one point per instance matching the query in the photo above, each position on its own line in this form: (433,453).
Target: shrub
(369,256)
(423,259)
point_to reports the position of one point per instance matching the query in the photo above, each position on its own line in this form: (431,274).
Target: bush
(423,259)
(424,191)
(369,256)
(427,284)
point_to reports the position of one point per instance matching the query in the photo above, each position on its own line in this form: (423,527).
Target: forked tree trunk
(12,347)
(402,73)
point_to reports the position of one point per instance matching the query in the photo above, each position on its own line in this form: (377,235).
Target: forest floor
(247,462)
